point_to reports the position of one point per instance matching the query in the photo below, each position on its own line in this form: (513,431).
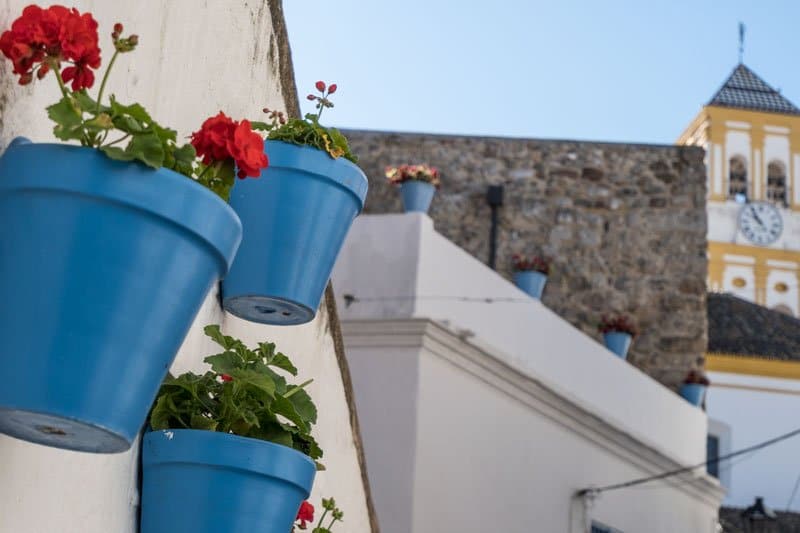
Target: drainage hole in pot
(50,430)
(264,310)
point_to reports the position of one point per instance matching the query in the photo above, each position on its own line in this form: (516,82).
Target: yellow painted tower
(751,134)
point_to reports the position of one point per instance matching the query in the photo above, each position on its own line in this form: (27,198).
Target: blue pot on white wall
(693,393)
(209,482)
(103,266)
(618,342)
(531,281)
(295,216)
(417,195)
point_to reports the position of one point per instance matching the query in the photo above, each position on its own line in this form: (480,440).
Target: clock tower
(751,134)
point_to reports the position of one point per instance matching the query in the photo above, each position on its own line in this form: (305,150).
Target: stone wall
(624,224)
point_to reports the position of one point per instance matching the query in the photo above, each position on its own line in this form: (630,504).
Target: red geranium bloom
(211,140)
(305,514)
(247,149)
(51,36)
(225,377)
(81,74)
(220,138)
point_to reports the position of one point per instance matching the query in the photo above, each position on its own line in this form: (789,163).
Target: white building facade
(481,410)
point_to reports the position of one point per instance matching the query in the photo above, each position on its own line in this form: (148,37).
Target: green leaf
(68,119)
(283,362)
(260,126)
(117,153)
(147,148)
(86,102)
(261,382)
(303,404)
(161,414)
(199,421)
(101,122)
(135,111)
(184,159)
(282,406)
(224,363)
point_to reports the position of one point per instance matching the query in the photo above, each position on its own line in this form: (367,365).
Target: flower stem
(321,518)
(112,143)
(60,81)
(105,79)
(299,387)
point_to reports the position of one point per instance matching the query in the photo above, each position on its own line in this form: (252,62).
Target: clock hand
(755,215)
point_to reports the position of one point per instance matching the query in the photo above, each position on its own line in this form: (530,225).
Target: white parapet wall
(482,410)
(194,59)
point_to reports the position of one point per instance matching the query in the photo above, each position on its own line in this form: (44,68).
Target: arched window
(737,178)
(776,183)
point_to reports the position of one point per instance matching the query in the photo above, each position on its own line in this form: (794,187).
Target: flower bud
(133,40)
(320,86)
(311,97)
(26,78)
(265,110)
(118,28)
(332,88)
(43,70)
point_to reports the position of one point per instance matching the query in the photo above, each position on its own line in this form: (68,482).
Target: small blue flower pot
(693,393)
(531,282)
(103,267)
(295,218)
(417,195)
(208,482)
(618,342)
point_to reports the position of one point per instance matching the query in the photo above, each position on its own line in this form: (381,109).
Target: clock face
(760,223)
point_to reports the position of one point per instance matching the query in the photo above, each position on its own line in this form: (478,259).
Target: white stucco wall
(457,441)
(756,409)
(510,409)
(392,260)
(193,60)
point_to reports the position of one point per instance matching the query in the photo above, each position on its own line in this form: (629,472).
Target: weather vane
(741,41)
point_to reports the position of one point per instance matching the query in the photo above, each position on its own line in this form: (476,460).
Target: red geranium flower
(49,37)
(305,514)
(221,138)
(247,149)
(225,377)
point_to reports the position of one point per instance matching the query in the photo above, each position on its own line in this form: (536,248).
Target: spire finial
(741,42)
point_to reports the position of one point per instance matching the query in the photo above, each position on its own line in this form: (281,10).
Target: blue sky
(614,70)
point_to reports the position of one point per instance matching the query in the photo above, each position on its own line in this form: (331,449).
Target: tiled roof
(731,520)
(739,327)
(745,90)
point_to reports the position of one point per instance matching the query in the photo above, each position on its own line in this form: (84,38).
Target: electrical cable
(794,493)
(671,473)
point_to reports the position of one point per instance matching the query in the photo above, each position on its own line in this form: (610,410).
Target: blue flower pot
(207,482)
(295,218)
(693,393)
(618,342)
(103,267)
(531,282)
(417,195)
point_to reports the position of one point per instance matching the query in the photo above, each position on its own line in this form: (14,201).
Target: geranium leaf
(282,406)
(224,363)
(148,149)
(303,404)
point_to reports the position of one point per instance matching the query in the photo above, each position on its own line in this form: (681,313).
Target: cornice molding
(495,369)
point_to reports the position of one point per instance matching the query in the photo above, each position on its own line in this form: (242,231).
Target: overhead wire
(683,470)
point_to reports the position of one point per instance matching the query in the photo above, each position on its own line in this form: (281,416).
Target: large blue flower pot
(208,482)
(295,218)
(693,393)
(618,342)
(531,282)
(103,267)
(417,195)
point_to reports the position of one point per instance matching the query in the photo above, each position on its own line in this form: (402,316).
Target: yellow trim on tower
(752,366)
